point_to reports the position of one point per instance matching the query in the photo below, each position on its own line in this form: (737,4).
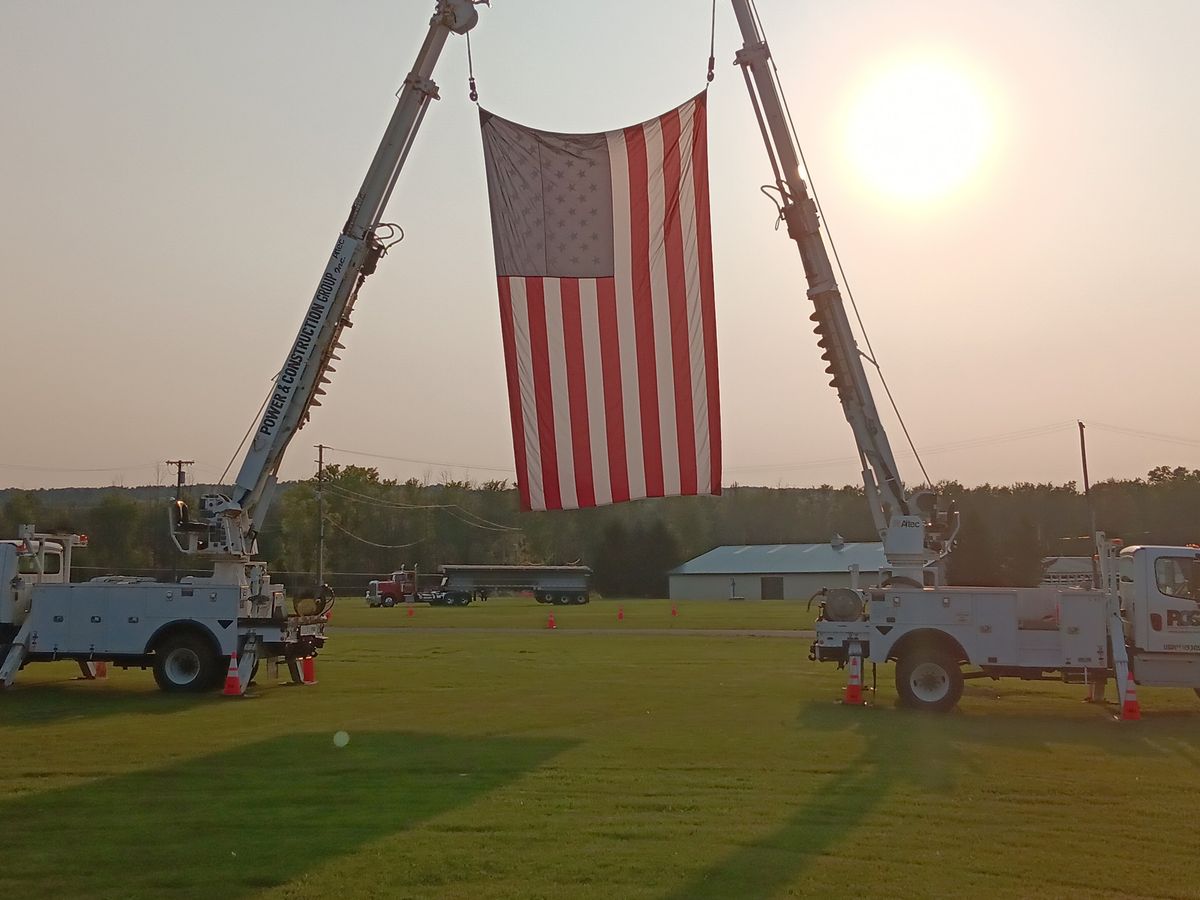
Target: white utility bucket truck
(188,631)
(1142,619)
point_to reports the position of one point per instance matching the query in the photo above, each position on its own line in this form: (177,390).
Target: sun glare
(919,131)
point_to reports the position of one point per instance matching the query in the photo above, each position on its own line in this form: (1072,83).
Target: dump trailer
(562,585)
(459,585)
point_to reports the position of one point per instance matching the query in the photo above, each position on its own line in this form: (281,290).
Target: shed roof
(784,559)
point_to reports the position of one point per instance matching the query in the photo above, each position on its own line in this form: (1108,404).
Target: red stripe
(581,435)
(685,416)
(707,310)
(614,400)
(514,390)
(643,313)
(540,351)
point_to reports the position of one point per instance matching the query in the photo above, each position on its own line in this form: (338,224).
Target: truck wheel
(929,678)
(389,602)
(186,663)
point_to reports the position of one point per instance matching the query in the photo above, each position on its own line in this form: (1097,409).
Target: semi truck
(459,585)
(1139,625)
(190,631)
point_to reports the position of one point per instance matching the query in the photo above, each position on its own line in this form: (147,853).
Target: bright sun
(919,131)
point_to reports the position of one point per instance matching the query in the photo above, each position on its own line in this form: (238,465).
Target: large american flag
(604,264)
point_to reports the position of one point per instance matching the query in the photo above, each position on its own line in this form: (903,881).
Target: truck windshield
(27,565)
(1174,577)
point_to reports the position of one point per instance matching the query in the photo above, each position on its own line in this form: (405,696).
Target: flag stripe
(581,441)
(614,394)
(691,276)
(659,193)
(643,311)
(529,427)
(514,389)
(560,409)
(597,416)
(704,226)
(535,302)
(681,370)
(623,341)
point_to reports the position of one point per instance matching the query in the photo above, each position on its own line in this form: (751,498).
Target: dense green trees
(374,524)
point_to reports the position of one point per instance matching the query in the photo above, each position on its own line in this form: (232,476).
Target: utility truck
(1140,624)
(191,630)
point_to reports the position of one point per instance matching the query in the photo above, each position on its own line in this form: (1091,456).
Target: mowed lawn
(525,612)
(560,764)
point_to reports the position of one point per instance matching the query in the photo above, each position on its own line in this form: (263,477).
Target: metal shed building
(774,571)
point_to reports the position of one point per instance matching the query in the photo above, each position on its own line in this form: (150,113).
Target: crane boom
(231,523)
(915,536)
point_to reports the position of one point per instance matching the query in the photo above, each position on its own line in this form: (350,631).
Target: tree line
(373,525)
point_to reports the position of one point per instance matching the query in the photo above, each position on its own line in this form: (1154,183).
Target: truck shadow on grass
(42,703)
(248,818)
(910,750)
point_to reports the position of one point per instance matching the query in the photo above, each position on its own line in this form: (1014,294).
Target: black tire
(389,602)
(186,663)
(929,679)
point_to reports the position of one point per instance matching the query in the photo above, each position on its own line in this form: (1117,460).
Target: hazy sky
(173,176)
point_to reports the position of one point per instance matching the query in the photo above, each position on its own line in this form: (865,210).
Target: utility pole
(1087,494)
(179,478)
(179,481)
(320,516)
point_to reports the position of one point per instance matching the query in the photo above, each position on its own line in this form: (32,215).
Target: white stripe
(626,332)
(533,449)
(691,278)
(560,399)
(660,306)
(589,313)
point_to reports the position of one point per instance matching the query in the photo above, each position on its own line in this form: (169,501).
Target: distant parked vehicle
(460,585)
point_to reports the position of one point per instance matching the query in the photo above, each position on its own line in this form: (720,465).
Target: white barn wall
(795,586)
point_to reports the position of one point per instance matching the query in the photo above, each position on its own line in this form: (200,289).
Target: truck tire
(185,663)
(389,601)
(929,679)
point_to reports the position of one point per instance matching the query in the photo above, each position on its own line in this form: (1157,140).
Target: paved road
(638,632)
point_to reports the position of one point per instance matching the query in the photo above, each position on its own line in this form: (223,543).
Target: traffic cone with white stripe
(1131,711)
(233,682)
(550,623)
(854,695)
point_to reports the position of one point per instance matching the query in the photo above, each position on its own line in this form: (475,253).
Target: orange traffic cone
(1131,711)
(674,611)
(620,613)
(550,622)
(308,670)
(853,696)
(410,612)
(233,683)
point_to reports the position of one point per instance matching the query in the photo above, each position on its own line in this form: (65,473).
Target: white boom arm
(229,524)
(915,536)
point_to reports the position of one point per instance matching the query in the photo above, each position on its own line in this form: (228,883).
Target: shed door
(772,587)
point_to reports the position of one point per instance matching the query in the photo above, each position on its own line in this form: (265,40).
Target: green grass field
(524,612)
(553,764)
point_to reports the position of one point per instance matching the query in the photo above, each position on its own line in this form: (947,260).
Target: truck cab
(1159,588)
(22,565)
